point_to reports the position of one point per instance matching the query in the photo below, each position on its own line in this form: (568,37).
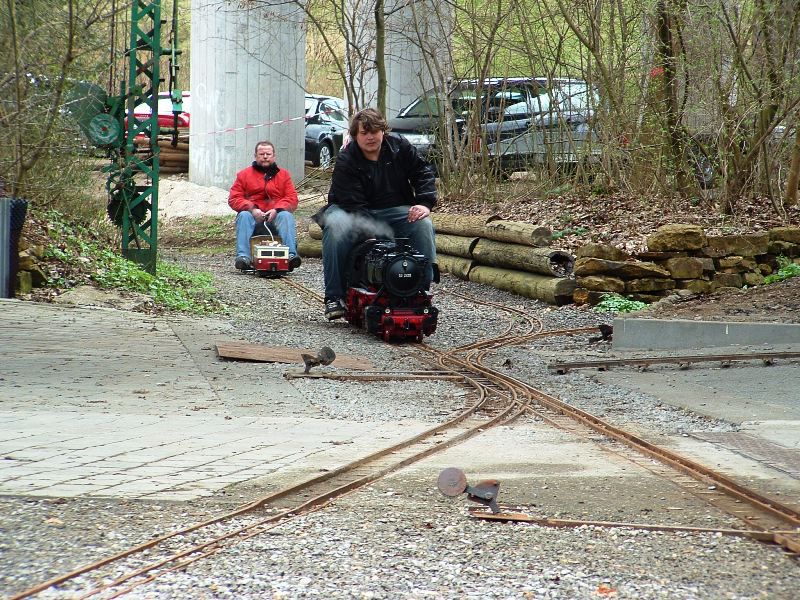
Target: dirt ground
(775,303)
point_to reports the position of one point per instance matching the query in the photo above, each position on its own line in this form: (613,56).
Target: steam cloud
(356,226)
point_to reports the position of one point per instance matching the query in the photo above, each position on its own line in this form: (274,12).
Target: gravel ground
(379,543)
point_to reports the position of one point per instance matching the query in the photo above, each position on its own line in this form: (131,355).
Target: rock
(752,278)
(785,234)
(601,283)
(604,251)
(685,268)
(733,264)
(752,244)
(677,237)
(697,286)
(649,285)
(624,270)
(733,280)
(583,296)
(24,282)
(779,247)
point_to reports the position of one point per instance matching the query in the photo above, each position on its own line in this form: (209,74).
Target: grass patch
(203,235)
(787,269)
(83,255)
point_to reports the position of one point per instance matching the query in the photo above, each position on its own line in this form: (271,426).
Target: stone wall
(31,267)
(682,257)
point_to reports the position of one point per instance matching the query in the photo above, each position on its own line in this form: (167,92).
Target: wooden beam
(283,354)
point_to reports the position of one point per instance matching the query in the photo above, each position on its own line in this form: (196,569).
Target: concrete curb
(632,333)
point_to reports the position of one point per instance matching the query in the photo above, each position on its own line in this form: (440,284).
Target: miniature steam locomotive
(387,291)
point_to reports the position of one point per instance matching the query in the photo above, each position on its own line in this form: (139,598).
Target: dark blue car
(326,124)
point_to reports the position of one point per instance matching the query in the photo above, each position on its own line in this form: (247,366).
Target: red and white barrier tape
(258,125)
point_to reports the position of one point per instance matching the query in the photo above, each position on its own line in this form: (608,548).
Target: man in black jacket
(380,187)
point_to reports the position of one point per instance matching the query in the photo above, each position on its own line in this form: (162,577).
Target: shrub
(614,303)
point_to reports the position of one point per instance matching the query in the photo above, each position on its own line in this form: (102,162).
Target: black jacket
(410,175)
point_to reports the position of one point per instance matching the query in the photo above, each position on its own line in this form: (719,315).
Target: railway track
(494,404)
(761,514)
(758,512)
(497,399)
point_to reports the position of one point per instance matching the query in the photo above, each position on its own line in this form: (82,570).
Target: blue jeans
(342,230)
(245,224)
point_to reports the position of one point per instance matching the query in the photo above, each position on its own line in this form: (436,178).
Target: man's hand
(417,212)
(260,216)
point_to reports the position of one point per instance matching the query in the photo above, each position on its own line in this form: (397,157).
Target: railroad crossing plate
(452,482)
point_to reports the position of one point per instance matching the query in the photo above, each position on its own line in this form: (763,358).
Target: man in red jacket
(263,194)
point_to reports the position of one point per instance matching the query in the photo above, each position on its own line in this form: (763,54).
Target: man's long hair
(371,119)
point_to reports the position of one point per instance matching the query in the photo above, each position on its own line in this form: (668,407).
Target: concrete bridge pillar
(417,51)
(247,84)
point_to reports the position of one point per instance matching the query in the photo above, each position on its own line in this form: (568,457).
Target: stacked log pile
(172,158)
(508,255)
(682,257)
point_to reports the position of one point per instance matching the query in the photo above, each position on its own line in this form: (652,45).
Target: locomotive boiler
(387,291)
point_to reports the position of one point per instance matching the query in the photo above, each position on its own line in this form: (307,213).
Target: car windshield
(330,112)
(329,109)
(495,99)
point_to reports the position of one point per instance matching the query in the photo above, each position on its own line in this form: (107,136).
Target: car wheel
(325,156)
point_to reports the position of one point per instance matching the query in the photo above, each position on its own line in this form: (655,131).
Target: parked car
(166,118)
(326,122)
(326,125)
(521,120)
(554,126)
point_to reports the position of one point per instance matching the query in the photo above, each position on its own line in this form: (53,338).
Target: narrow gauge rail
(725,360)
(753,508)
(150,560)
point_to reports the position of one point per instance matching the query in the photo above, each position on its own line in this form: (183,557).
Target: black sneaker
(243,263)
(294,261)
(334,309)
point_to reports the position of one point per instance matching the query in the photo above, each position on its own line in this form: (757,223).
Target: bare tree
(43,47)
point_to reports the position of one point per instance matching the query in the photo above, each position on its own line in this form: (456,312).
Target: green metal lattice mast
(133,182)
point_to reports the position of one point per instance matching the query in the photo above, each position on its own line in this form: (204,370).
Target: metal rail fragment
(374,376)
(767,358)
(775,537)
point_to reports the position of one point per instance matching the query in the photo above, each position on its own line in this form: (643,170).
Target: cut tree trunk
(455,245)
(314,230)
(544,261)
(553,290)
(518,232)
(464,225)
(455,265)
(309,247)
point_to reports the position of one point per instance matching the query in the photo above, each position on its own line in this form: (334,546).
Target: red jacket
(250,190)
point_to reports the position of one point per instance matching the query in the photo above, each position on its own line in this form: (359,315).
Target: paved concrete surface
(99,402)
(661,334)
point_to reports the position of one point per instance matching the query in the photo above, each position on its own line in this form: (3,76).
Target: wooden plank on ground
(284,354)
